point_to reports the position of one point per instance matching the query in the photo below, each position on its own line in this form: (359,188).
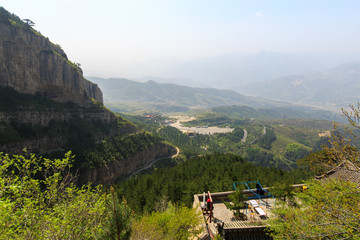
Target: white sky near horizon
(105,36)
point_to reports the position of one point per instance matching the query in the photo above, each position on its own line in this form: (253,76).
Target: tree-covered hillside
(267,142)
(286,112)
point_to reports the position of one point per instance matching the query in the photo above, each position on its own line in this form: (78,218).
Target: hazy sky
(106,35)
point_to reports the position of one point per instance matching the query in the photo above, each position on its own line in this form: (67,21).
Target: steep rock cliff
(43,118)
(30,63)
(48,107)
(44,141)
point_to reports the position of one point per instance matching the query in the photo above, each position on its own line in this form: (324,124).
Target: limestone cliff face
(46,144)
(31,64)
(43,118)
(43,144)
(112,171)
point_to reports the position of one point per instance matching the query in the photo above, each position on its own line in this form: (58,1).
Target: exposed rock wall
(112,171)
(47,144)
(43,118)
(30,63)
(42,144)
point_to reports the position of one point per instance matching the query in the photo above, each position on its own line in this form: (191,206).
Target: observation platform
(223,222)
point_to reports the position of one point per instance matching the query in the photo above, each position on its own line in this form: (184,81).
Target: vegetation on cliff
(118,147)
(7,17)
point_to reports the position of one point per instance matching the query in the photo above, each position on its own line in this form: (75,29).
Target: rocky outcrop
(112,171)
(31,64)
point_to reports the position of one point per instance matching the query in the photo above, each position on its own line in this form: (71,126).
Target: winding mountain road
(263,133)
(152,163)
(245,136)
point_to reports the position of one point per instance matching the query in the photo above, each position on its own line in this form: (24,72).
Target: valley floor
(199,129)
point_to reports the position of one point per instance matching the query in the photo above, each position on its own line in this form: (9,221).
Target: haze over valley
(156,119)
(237,45)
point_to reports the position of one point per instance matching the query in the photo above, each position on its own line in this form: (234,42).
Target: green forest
(272,143)
(42,195)
(214,173)
(38,190)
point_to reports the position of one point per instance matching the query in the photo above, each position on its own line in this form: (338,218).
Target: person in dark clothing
(259,189)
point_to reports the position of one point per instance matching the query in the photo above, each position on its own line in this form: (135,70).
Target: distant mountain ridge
(157,95)
(124,95)
(332,89)
(226,70)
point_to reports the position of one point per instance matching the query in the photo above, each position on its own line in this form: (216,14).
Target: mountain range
(225,70)
(125,95)
(318,80)
(332,89)
(229,70)
(157,96)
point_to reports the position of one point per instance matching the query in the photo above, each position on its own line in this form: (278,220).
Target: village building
(345,171)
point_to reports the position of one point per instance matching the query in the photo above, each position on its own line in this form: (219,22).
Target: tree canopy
(327,210)
(38,200)
(176,222)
